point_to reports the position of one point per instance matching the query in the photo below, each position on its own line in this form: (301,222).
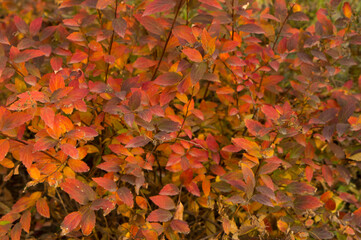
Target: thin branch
(111,42)
(282,25)
(167,41)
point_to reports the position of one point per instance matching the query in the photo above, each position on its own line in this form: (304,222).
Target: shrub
(179,119)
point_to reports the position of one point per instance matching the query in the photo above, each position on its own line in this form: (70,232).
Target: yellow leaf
(356,157)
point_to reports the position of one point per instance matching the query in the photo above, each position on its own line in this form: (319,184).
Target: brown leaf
(119,26)
(159,215)
(180,226)
(251,28)
(126,196)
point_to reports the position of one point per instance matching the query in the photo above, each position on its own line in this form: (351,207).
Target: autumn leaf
(126,196)
(168,79)
(251,28)
(27,55)
(119,26)
(159,215)
(70,222)
(79,191)
(158,6)
(180,226)
(106,183)
(193,54)
(347,10)
(43,208)
(87,222)
(170,190)
(4,148)
(164,202)
(139,141)
(307,202)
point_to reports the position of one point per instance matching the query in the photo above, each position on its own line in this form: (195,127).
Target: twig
(282,25)
(111,42)
(167,41)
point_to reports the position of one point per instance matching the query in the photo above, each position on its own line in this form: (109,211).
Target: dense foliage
(180,119)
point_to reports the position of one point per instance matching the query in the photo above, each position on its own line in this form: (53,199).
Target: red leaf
(270,112)
(213,3)
(119,26)
(180,226)
(4,148)
(159,215)
(307,202)
(80,192)
(212,143)
(26,55)
(56,63)
(87,222)
(78,165)
(78,56)
(184,33)
(70,222)
(169,189)
(48,116)
(70,150)
(106,183)
(158,6)
(186,176)
(126,196)
(193,54)
(327,174)
(105,204)
(25,221)
(21,25)
(35,26)
(139,141)
(193,188)
(143,63)
(102,4)
(44,144)
(251,28)
(168,79)
(15,233)
(255,128)
(164,202)
(43,208)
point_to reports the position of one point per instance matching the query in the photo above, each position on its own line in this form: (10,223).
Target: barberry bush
(180,119)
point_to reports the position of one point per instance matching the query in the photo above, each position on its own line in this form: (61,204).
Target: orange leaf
(78,165)
(42,207)
(70,150)
(169,189)
(70,222)
(16,232)
(25,221)
(347,10)
(4,148)
(47,115)
(88,222)
(193,54)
